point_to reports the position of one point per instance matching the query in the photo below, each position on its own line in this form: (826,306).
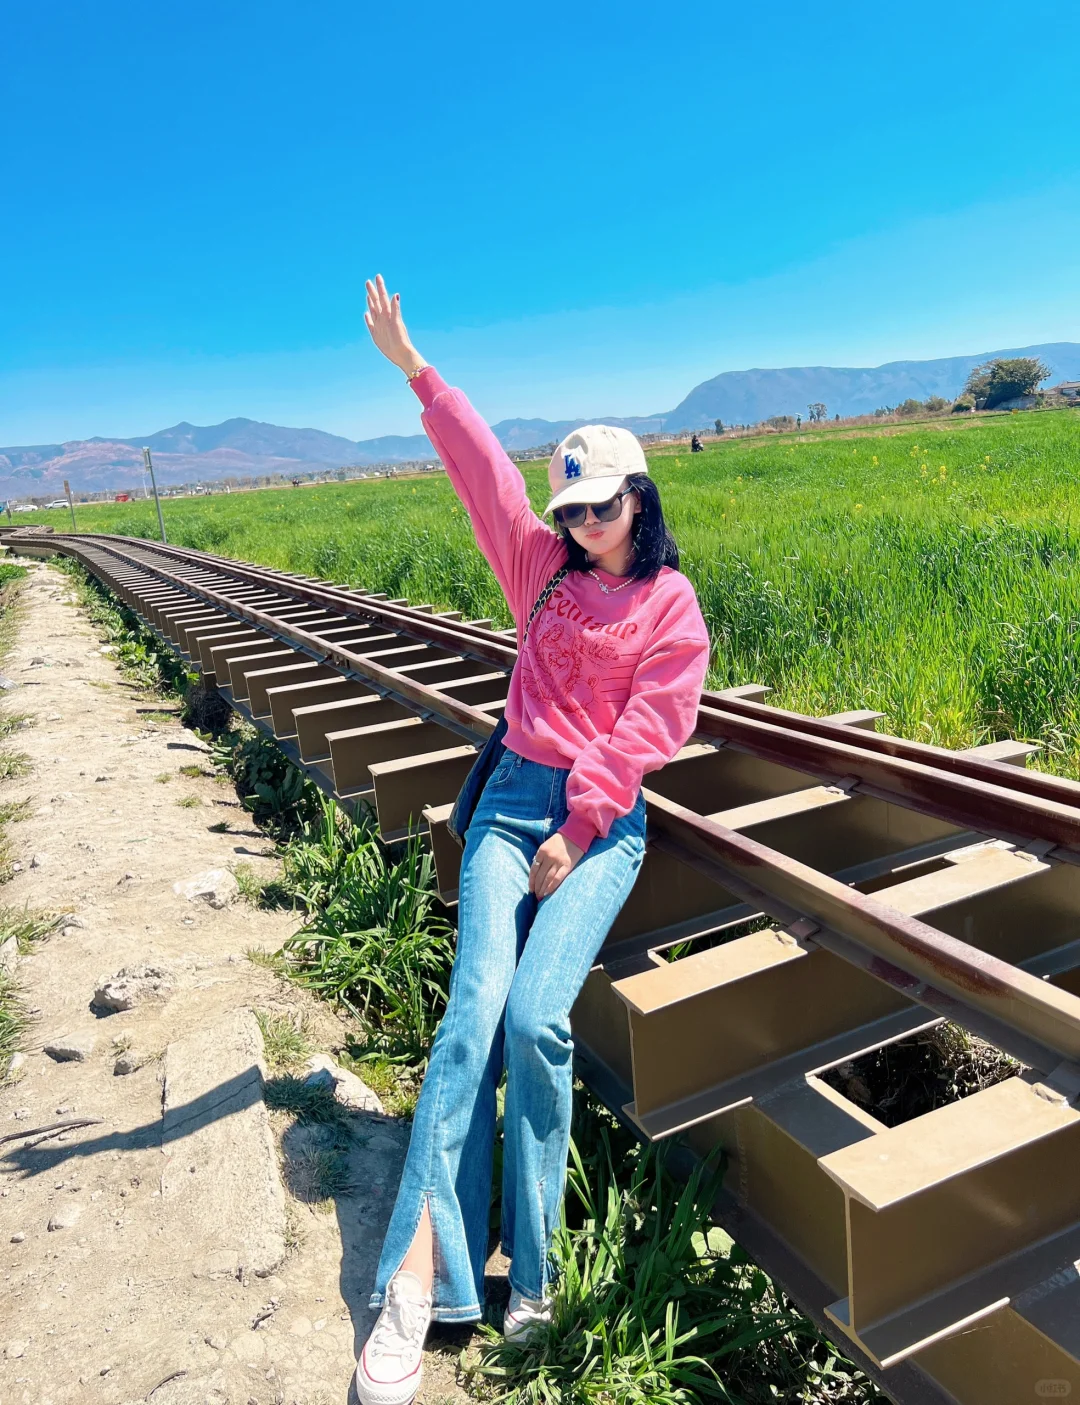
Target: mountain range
(240,448)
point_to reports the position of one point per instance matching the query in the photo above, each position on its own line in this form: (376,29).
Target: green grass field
(932,573)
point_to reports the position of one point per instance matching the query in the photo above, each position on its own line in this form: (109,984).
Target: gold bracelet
(412,375)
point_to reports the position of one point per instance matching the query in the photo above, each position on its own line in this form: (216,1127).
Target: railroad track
(905,884)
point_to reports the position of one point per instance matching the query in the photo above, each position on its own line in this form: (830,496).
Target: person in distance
(612,653)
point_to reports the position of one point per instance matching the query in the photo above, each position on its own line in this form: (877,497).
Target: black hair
(654,546)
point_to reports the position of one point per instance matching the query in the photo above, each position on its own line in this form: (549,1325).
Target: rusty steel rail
(905,882)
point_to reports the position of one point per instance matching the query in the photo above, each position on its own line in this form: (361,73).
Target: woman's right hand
(383,318)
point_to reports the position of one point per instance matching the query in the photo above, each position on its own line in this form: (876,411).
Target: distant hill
(745,397)
(241,448)
(527,434)
(189,453)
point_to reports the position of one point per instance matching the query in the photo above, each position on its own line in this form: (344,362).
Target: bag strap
(545,595)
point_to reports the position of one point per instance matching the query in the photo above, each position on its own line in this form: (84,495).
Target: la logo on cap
(573,468)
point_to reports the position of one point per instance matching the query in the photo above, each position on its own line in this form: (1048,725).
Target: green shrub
(374,940)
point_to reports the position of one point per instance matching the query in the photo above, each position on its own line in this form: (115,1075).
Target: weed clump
(277,793)
(285,1039)
(26,928)
(374,941)
(318,1142)
(914,1076)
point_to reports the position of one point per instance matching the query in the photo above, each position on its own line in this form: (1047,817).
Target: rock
(219,1343)
(249,1348)
(9,956)
(71,920)
(7,684)
(214,1118)
(131,985)
(16,1062)
(107,649)
(71,1048)
(350,1091)
(18,1237)
(127,1063)
(101,778)
(15,1350)
(39,861)
(301,1327)
(66,1217)
(54,717)
(216,886)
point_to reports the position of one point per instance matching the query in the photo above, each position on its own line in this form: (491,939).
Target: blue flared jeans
(519,967)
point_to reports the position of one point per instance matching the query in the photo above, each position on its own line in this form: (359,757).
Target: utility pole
(67,490)
(153,482)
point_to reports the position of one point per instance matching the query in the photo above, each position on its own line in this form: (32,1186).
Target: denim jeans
(519,967)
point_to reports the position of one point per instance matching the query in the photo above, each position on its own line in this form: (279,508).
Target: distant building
(1068,390)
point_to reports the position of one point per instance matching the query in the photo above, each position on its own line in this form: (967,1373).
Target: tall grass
(931,573)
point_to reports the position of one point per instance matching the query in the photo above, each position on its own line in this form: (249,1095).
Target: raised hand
(384,322)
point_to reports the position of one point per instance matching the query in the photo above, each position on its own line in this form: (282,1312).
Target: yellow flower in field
(722,516)
(732,502)
(858,507)
(987,459)
(942,471)
(873,458)
(924,470)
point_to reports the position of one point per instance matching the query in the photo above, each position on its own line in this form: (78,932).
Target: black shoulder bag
(492,753)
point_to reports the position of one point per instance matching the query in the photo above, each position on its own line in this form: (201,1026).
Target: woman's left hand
(554,860)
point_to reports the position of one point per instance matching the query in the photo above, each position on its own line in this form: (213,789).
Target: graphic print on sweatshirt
(575,661)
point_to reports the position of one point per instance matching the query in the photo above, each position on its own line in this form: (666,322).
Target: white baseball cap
(590,464)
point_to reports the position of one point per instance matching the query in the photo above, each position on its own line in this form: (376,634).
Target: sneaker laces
(402,1325)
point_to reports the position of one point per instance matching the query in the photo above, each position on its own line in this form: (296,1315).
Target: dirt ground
(118,1301)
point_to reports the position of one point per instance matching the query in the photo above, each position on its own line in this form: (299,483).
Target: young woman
(606,688)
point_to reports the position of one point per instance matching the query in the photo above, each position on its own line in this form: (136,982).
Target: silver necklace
(610,589)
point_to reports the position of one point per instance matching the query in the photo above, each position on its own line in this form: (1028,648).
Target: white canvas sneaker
(391,1364)
(525,1316)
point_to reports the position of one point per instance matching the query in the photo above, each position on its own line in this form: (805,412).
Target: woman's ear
(637,503)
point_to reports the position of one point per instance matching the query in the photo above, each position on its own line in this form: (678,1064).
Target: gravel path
(122,1281)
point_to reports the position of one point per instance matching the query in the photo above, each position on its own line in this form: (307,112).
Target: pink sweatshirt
(605,685)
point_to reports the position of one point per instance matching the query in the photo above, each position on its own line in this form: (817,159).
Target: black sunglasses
(574,516)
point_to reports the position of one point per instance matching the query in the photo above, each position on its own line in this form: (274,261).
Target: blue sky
(588,208)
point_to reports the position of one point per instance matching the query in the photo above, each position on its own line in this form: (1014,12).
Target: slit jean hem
(438,1314)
